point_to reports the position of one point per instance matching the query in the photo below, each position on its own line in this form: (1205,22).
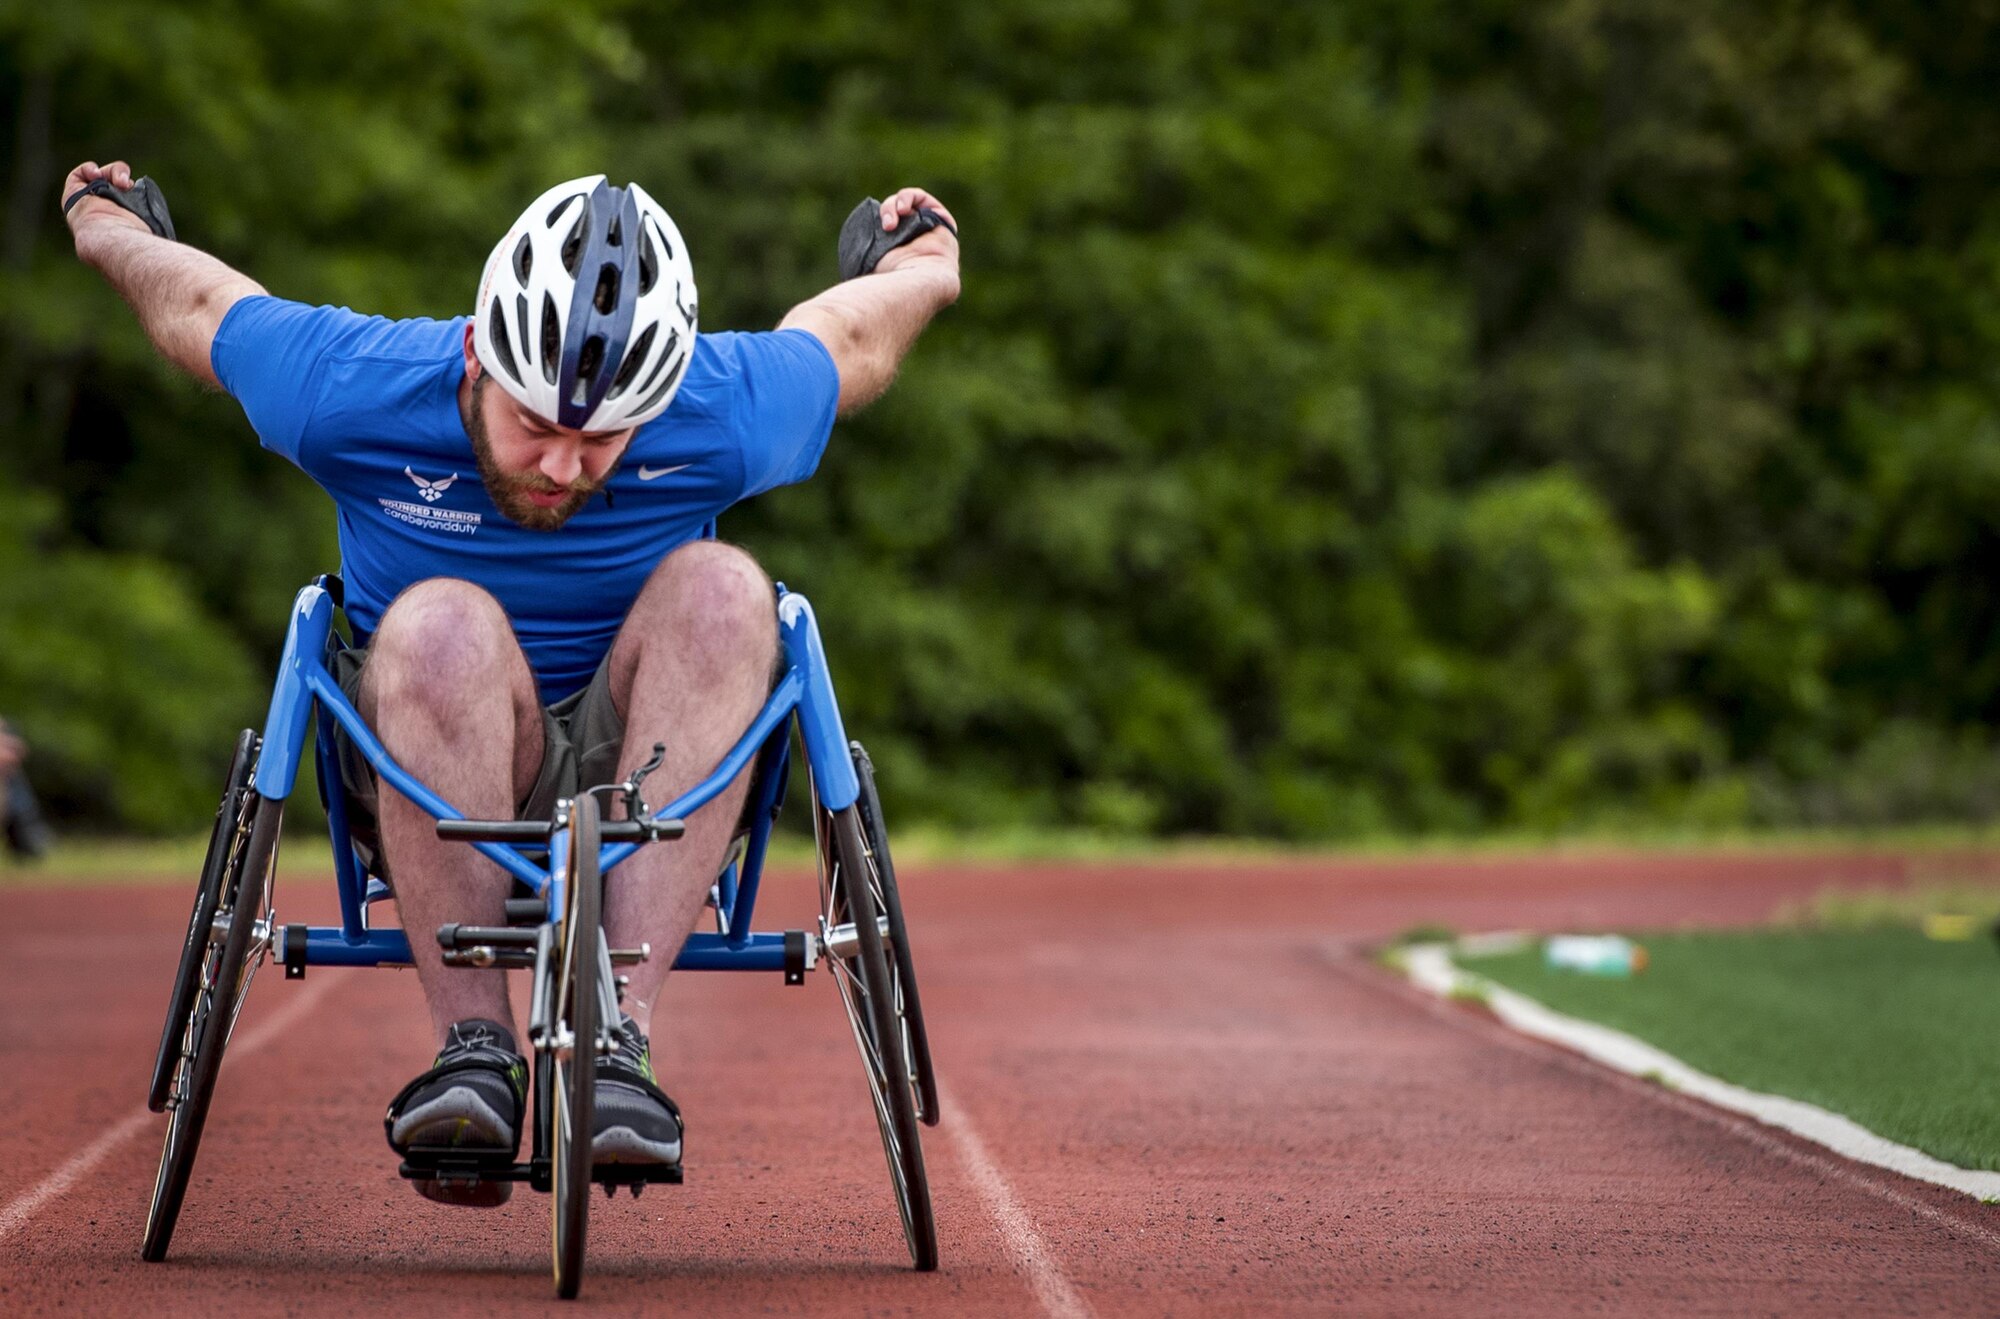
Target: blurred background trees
(1361,419)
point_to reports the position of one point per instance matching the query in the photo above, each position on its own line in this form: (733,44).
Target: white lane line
(1024,1244)
(16,1215)
(25,1206)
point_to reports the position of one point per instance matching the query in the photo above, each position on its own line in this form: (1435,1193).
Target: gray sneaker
(470,1101)
(634,1122)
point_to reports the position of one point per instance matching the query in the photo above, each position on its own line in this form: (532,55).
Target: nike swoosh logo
(654,473)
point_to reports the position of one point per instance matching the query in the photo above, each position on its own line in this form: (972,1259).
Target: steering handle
(651,829)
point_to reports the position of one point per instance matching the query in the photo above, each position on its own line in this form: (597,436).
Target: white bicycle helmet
(586,312)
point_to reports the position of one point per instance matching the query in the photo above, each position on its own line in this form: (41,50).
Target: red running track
(1170,1090)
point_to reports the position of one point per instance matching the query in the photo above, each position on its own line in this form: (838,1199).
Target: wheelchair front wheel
(573,1066)
(247,838)
(876,1003)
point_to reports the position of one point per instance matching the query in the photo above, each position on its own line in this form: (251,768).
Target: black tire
(207,895)
(868,991)
(574,1080)
(223,978)
(916,1041)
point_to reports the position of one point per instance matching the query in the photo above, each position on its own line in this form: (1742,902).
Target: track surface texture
(1170,1090)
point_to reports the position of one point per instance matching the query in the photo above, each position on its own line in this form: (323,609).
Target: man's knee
(708,596)
(723,585)
(440,635)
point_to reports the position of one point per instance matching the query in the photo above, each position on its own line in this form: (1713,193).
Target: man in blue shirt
(520,496)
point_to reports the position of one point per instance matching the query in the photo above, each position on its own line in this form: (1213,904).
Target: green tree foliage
(114,670)
(1381,417)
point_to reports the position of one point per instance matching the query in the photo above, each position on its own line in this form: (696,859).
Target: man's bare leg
(450,694)
(691,668)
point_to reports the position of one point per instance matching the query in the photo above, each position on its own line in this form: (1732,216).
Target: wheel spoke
(877,1088)
(871,1055)
(877,890)
(560,1114)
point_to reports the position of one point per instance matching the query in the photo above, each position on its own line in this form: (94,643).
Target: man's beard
(509,491)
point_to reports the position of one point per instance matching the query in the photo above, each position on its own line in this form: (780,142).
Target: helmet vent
(614,235)
(503,351)
(521,316)
(588,363)
(572,247)
(555,212)
(649,262)
(633,356)
(551,339)
(524,259)
(666,384)
(673,342)
(606,296)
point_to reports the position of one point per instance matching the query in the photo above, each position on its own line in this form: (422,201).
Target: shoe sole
(458,1118)
(624,1145)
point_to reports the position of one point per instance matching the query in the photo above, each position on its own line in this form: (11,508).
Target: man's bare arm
(868,324)
(179,294)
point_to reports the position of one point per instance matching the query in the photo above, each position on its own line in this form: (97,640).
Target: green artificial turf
(1897,1031)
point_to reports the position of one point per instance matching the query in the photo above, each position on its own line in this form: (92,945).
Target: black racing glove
(143,199)
(863,243)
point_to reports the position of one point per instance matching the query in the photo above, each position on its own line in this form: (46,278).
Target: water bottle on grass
(1594,954)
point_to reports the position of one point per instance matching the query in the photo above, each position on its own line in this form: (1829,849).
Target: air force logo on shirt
(448,521)
(432,491)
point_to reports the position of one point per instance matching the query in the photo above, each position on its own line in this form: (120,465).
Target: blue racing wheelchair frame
(860,935)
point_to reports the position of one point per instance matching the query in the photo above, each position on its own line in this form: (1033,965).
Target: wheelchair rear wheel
(235,895)
(207,895)
(854,906)
(573,1067)
(916,1042)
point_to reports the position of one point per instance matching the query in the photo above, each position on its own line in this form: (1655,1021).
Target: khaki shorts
(581,738)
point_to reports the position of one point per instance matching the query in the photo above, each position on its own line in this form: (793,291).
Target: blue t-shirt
(368,407)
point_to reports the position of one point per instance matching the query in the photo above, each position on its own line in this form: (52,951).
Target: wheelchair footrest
(613,1175)
(633,1176)
(429,1163)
